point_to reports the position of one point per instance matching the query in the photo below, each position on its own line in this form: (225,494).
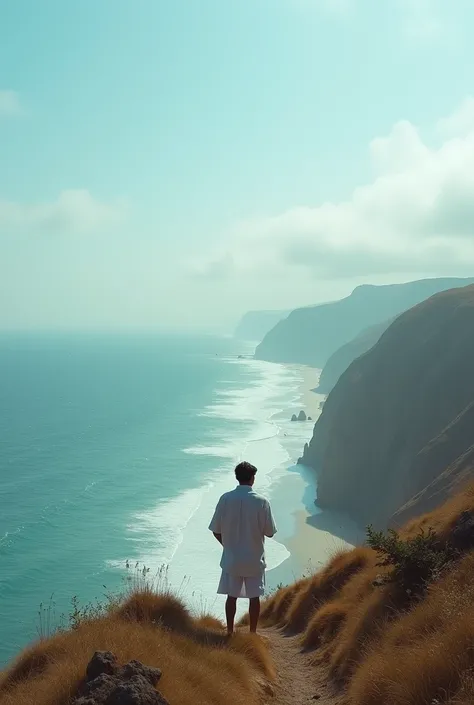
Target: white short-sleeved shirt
(243,518)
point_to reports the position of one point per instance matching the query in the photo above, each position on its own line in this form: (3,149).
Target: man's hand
(219,538)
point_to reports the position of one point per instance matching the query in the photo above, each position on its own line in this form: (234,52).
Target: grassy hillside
(198,663)
(380,641)
(392,623)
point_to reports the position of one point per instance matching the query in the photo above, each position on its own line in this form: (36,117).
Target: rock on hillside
(254,325)
(107,683)
(400,414)
(342,358)
(311,335)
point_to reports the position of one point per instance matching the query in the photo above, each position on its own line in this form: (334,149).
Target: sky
(175,163)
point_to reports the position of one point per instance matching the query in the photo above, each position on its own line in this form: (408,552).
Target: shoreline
(152,521)
(310,535)
(306,537)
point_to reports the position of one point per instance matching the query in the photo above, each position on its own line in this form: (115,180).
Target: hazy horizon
(174,165)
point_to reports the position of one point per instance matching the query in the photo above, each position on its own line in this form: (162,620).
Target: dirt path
(298,682)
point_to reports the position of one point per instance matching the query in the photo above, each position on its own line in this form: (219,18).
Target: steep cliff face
(342,358)
(254,325)
(311,335)
(400,414)
(450,459)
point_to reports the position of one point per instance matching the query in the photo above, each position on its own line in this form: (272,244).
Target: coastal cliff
(309,336)
(254,325)
(342,358)
(400,415)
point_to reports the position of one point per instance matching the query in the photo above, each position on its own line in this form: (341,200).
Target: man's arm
(270,527)
(215,525)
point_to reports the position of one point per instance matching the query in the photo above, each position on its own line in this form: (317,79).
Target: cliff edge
(309,336)
(400,415)
(254,325)
(342,358)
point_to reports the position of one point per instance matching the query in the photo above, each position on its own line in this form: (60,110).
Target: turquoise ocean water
(116,447)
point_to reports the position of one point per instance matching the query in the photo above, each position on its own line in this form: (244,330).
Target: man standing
(240,523)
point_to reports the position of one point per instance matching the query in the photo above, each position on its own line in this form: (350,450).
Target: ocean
(115,448)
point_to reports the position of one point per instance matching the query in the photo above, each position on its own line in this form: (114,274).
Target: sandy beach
(311,535)
(310,399)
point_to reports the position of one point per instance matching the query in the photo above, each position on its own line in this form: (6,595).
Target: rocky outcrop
(342,358)
(311,335)
(395,430)
(107,683)
(301,417)
(254,325)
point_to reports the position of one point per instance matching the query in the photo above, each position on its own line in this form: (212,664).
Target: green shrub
(414,562)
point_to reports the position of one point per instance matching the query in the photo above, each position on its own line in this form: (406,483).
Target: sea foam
(174,532)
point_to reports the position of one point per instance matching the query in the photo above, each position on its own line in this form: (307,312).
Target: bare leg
(230,608)
(254,613)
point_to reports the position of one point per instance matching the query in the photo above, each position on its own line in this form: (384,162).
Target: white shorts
(235,586)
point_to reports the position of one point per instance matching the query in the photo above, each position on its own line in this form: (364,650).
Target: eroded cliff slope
(400,415)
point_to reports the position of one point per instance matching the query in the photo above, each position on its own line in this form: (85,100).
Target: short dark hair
(245,471)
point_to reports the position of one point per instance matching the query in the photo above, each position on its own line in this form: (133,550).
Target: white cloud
(75,210)
(399,151)
(10,105)
(460,123)
(416,215)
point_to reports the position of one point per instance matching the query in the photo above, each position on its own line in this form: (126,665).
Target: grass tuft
(199,662)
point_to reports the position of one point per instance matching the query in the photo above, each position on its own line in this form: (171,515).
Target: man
(240,523)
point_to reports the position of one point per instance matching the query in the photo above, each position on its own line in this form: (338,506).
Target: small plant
(47,626)
(270,592)
(414,562)
(138,578)
(202,606)
(90,610)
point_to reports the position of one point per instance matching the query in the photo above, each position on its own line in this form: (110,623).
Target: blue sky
(177,163)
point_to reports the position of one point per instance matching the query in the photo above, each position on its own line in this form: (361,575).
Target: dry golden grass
(295,605)
(376,642)
(199,664)
(364,625)
(465,694)
(425,654)
(443,518)
(325,624)
(274,610)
